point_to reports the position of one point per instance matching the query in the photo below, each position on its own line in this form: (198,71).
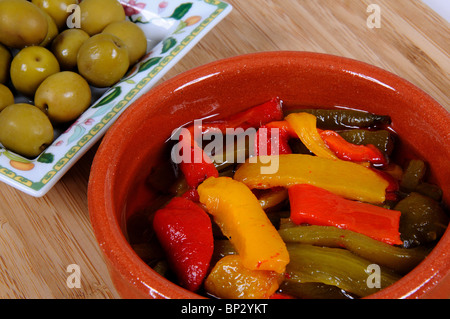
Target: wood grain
(40,237)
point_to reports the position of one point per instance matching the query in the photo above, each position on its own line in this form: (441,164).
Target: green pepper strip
(343,118)
(313,290)
(413,175)
(382,139)
(398,259)
(334,266)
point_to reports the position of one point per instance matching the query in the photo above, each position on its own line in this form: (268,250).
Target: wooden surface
(41,237)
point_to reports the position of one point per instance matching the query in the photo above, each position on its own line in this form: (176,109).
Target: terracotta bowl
(135,143)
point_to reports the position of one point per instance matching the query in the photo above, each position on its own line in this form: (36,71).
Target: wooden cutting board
(41,237)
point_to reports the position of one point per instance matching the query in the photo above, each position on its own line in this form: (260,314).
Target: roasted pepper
(280,295)
(332,119)
(272,197)
(185,233)
(304,125)
(347,179)
(271,141)
(265,138)
(413,175)
(423,220)
(191,194)
(317,206)
(334,266)
(399,259)
(283,126)
(352,152)
(238,213)
(431,190)
(412,180)
(230,279)
(313,290)
(198,165)
(382,139)
(231,154)
(254,117)
(393,184)
(394,170)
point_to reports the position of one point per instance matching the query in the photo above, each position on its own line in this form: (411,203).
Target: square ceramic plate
(172,28)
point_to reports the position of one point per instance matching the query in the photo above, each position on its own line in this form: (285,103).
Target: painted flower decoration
(192,20)
(132,7)
(162,6)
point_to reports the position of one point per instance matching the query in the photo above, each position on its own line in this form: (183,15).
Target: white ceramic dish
(172,27)
(441,7)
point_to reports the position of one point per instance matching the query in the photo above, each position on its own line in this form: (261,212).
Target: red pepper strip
(280,295)
(253,117)
(317,206)
(198,166)
(281,143)
(268,142)
(185,233)
(352,152)
(284,127)
(191,194)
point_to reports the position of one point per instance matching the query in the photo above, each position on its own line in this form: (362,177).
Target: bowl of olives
(81,65)
(220,227)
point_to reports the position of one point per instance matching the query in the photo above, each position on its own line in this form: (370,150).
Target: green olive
(30,67)
(63,96)
(103,60)
(25,130)
(133,37)
(57,9)
(52,30)
(5,62)
(97,14)
(6,97)
(66,45)
(21,24)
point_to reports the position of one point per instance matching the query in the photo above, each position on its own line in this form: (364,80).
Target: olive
(103,60)
(63,96)
(6,97)
(25,129)
(30,67)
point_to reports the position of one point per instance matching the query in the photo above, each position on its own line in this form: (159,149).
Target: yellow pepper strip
(229,279)
(239,215)
(273,198)
(347,179)
(305,126)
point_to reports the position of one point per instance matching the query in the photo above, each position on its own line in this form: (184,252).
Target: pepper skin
(317,206)
(230,279)
(352,152)
(185,233)
(347,179)
(304,124)
(241,218)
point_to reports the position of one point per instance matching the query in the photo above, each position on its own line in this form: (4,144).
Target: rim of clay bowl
(121,257)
